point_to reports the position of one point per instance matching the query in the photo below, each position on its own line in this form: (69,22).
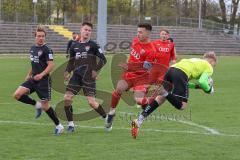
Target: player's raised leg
(21,94)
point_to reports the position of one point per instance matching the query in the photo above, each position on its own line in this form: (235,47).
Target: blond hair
(40,28)
(210,55)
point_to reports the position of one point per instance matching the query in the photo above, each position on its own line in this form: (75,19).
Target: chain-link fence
(46,12)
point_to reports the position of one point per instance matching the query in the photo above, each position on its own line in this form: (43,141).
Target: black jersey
(39,56)
(85,57)
(70,43)
(170,39)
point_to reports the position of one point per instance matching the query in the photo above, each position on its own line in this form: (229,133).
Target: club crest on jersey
(142,51)
(87,48)
(40,53)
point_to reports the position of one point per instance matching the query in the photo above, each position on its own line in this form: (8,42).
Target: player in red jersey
(164,49)
(164,55)
(141,48)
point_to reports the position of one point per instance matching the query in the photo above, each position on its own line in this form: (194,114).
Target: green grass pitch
(210,128)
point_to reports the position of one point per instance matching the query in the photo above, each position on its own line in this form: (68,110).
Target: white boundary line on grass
(121,128)
(207,129)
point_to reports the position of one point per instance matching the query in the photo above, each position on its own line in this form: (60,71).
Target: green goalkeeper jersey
(196,68)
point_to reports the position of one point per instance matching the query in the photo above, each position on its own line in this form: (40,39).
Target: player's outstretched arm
(204,83)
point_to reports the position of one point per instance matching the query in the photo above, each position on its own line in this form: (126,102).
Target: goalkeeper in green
(176,84)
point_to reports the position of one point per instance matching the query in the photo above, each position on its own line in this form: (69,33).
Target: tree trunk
(185,8)
(234,11)
(204,9)
(130,7)
(178,8)
(154,6)
(223,10)
(141,11)
(74,10)
(191,8)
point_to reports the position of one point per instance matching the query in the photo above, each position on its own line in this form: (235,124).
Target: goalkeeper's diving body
(178,77)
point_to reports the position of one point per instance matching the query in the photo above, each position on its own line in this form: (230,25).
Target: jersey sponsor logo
(142,51)
(87,48)
(135,54)
(34,59)
(40,52)
(162,49)
(81,55)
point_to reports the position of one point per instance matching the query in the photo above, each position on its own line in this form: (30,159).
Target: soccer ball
(210,81)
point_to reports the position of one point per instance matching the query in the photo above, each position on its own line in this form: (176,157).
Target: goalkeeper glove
(147,65)
(211,90)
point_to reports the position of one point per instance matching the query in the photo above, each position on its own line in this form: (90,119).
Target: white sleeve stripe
(100,50)
(50,56)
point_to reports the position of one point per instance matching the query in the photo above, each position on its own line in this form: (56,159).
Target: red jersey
(139,53)
(164,52)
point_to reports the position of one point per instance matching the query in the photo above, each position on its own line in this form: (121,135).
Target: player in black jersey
(70,43)
(86,58)
(38,79)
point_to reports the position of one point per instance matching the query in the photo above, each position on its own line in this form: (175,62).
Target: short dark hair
(40,28)
(147,26)
(165,30)
(74,33)
(87,24)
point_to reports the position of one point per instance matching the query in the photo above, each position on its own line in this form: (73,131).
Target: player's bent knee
(184,105)
(17,95)
(160,99)
(139,101)
(45,105)
(180,106)
(92,102)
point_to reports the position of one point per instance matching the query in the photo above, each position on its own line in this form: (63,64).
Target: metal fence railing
(210,26)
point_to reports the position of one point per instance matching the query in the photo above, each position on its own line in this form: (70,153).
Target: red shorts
(136,78)
(157,74)
(141,88)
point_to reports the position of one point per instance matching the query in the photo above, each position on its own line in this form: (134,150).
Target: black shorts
(42,88)
(77,83)
(179,81)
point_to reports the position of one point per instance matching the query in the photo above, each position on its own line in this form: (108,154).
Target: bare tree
(191,8)
(185,9)
(204,8)
(141,11)
(74,10)
(234,11)
(154,5)
(223,10)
